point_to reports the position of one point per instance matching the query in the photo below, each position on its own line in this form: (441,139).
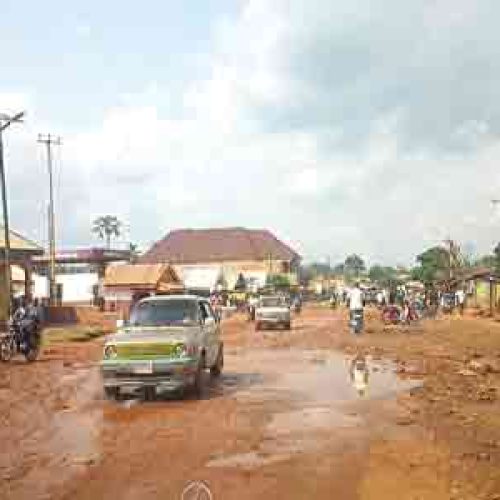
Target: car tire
(199,382)
(288,326)
(216,370)
(150,393)
(112,393)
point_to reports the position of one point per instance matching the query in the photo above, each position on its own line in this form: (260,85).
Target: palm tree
(106,227)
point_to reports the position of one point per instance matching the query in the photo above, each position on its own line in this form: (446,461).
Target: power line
(49,141)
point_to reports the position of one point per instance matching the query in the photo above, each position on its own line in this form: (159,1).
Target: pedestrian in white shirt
(356,308)
(460,300)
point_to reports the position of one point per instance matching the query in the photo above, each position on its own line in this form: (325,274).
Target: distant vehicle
(272,311)
(448,302)
(167,344)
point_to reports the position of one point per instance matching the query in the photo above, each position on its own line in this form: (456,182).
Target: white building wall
(76,287)
(205,275)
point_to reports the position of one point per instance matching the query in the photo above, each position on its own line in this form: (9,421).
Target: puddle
(320,377)
(310,419)
(323,393)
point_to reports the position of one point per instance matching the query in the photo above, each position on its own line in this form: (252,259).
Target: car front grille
(146,350)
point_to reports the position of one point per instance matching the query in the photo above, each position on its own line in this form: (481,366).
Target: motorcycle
(356,321)
(391,315)
(297,307)
(24,337)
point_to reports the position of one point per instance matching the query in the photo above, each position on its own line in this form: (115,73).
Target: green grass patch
(77,333)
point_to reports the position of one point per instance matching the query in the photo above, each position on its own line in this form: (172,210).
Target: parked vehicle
(167,344)
(272,311)
(24,337)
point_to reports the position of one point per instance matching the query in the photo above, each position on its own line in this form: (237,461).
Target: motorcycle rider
(356,304)
(26,320)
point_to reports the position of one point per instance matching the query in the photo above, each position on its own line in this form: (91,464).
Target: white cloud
(83,30)
(340,127)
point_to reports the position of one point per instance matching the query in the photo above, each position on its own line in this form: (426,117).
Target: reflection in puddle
(320,377)
(319,389)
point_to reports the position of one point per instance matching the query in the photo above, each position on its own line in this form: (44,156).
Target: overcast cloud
(356,126)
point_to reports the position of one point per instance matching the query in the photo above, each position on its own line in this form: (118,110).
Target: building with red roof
(205,257)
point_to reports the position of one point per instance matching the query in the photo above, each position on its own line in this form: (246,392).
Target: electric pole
(50,140)
(6,121)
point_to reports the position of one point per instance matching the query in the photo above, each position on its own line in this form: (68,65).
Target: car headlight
(185,351)
(110,352)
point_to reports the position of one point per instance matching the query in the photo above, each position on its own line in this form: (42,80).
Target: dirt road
(286,419)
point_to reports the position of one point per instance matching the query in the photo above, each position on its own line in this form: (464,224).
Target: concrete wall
(76,288)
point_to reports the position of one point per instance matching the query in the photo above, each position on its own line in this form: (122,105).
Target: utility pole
(6,121)
(50,140)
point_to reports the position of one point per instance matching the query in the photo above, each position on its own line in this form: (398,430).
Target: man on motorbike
(26,321)
(356,308)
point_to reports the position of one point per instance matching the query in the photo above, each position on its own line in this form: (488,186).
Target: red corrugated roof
(184,246)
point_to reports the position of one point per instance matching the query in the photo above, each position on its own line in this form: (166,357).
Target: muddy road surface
(310,413)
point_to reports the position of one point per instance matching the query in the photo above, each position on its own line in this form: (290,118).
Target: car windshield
(272,302)
(165,312)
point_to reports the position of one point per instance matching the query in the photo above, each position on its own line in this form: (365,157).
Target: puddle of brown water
(320,377)
(320,392)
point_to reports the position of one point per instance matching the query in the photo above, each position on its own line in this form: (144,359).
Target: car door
(210,329)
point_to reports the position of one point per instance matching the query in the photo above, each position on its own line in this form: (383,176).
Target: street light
(5,122)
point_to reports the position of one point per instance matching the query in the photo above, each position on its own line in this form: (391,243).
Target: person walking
(460,300)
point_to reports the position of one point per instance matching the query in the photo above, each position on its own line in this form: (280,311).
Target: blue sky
(360,126)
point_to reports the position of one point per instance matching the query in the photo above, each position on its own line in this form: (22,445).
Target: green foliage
(486,261)
(278,281)
(240,284)
(313,270)
(433,264)
(497,258)
(134,252)
(383,275)
(107,226)
(354,265)
(338,270)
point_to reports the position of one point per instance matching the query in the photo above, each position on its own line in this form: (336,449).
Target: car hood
(273,310)
(164,334)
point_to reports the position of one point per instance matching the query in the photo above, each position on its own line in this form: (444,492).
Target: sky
(357,126)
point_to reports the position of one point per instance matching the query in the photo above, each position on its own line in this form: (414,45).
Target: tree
(354,265)
(497,258)
(278,281)
(338,270)
(433,264)
(134,253)
(383,275)
(240,284)
(313,270)
(106,227)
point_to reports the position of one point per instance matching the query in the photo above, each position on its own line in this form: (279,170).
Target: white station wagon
(167,343)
